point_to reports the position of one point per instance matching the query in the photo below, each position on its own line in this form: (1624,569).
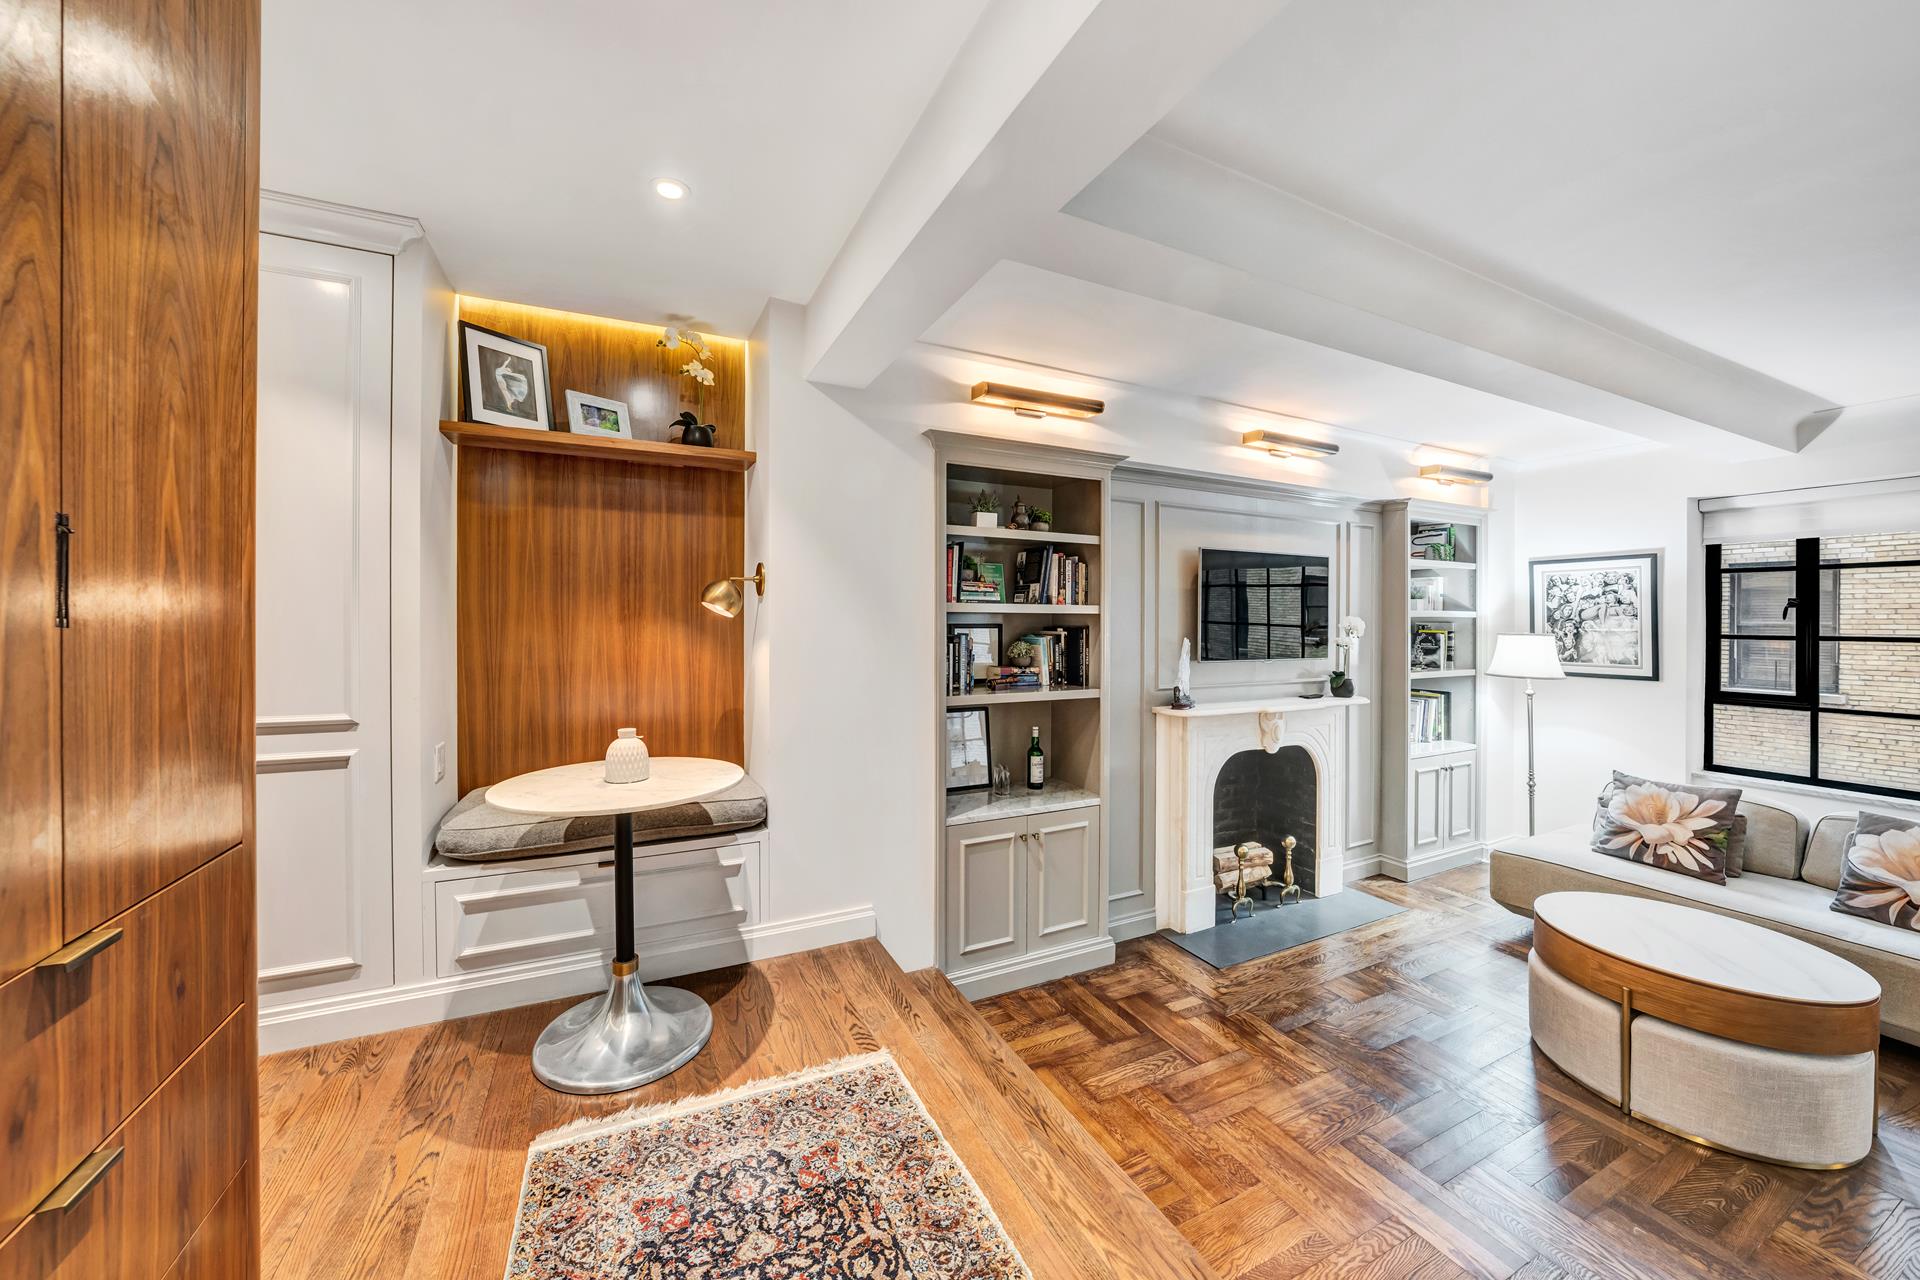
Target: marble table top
(582,791)
(1700,946)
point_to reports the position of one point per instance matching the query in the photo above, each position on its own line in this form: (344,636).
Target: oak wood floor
(401,1154)
(1370,1105)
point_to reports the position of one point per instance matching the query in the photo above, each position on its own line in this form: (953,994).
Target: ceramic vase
(627,759)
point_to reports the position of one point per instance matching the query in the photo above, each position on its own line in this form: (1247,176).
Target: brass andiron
(1289,888)
(1240,852)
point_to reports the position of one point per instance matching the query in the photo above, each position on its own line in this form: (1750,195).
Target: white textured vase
(627,759)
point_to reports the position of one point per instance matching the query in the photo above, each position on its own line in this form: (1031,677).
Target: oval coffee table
(1712,1028)
(629,1034)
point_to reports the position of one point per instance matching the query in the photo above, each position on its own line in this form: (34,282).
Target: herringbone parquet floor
(1370,1106)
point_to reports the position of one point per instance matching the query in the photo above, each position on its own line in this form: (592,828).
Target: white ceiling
(1019,312)
(1742,175)
(526,137)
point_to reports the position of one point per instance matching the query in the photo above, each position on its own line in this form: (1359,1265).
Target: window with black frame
(1813,660)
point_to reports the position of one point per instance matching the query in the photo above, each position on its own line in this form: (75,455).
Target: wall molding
(1411,869)
(295,1026)
(304,218)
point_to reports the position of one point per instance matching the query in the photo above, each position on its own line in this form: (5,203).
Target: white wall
(1629,501)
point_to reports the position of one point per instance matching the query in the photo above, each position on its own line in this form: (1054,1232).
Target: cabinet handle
(62,532)
(1040,838)
(82,949)
(85,1176)
(1023,837)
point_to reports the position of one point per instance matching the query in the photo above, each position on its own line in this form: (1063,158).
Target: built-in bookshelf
(1432,704)
(1021,877)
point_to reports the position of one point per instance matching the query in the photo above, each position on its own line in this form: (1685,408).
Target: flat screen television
(1260,606)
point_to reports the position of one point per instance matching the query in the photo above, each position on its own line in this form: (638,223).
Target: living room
(993,640)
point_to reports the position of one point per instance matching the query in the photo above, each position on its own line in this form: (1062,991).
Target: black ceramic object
(693,432)
(1341,688)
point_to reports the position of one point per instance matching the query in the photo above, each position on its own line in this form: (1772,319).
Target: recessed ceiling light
(670,188)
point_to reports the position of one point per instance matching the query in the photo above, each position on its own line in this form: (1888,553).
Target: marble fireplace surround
(1191,747)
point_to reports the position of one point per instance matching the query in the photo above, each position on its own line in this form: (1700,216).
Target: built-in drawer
(133,1213)
(512,917)
(88,1040)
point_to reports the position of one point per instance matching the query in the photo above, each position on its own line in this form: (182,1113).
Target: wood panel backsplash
(620,360)
(579,610)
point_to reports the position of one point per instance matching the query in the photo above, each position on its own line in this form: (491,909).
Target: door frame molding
(304,218)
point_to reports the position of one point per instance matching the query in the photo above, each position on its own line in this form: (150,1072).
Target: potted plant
(1340,684)
(1022,653)
(699,371)
(1040,520)
(986,511)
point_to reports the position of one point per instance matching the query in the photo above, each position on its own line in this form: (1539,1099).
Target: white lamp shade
(1529,656)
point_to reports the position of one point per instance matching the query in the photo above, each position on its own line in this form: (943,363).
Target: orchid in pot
(698,368)
(1347,647)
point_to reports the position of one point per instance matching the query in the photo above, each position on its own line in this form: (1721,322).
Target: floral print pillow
(1675,828)
(1881,876)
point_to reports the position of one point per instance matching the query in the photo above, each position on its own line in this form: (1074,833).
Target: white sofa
(1790,876)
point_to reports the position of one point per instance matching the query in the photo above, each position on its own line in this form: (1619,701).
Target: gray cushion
(1827,850)
(1881,865)
(1686,829)
(1775,838)
(475,831)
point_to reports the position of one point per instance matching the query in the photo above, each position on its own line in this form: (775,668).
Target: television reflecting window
(1258,606)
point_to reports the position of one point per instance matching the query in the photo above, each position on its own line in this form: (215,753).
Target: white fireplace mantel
(1191,747)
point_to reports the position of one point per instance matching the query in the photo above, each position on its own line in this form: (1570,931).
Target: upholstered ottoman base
(1812,1110)
(1577,1030)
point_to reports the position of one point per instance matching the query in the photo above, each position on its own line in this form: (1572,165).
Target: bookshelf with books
(1432,790)
(1021,881)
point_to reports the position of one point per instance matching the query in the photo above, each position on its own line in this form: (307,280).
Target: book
(1432,648)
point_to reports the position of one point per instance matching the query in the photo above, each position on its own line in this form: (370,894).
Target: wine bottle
(1036,763)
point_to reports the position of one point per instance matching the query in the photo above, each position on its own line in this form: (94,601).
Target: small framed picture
(503,380)
(1602,611)
(985,638)
(969,750)
(591,416)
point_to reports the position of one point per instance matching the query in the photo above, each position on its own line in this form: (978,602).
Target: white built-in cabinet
(323,755)
(1022,885)
(1444,804)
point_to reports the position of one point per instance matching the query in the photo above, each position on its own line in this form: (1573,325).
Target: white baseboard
(1028,971)
(1434,863)
(1137,925)
(359,1013)
(1360,869)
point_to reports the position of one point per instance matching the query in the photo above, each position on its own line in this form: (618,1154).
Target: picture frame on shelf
(986,646)
(969,749)
(503,380)
(596,416)
(1603,612)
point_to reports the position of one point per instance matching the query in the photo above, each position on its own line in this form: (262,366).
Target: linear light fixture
(1281,445)
(1029,403)
(1455,475)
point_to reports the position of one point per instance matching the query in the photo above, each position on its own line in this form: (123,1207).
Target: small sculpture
(1183,677)
(1020,517)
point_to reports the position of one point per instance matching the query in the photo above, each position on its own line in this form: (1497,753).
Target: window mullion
(1806,631)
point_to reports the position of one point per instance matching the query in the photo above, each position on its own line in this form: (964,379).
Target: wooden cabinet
(1021,886)
(128,162)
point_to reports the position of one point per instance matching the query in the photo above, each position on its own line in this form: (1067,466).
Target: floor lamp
(1529,658)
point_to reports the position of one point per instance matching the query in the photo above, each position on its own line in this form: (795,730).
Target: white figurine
(1183,677)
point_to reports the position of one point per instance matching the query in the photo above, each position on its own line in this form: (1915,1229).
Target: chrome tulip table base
(626,1036)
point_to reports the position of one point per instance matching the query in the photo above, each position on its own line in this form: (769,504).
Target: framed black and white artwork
(592,416)
(503,380)
(1602,611)
(969,750)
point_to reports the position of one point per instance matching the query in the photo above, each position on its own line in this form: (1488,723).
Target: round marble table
(629,1034)
(1750,1036)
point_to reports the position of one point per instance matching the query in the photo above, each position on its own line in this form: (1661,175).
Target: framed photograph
(969,750)
(592,416)
(1603,613)
(986,646)
(503,380)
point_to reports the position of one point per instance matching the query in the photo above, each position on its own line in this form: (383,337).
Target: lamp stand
(1531,785)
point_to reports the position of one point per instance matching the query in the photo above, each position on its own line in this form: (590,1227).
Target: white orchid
(698,372)
(673,338)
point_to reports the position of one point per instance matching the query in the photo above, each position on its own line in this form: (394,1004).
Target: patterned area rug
(834,1173)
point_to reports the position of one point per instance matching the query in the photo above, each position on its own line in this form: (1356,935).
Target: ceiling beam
(1039,101)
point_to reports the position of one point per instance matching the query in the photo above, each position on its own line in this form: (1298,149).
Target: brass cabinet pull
(1040,838)
(82,949)
(85,1176)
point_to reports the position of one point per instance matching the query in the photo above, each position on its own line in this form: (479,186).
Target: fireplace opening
(1264,798)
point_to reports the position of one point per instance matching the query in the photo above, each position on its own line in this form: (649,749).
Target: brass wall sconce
(1455,475)
(1281,445)
(1029,403)
(723,598)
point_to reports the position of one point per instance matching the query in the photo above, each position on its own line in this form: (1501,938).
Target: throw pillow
(1665,825)
(1736,834)
(1881,876)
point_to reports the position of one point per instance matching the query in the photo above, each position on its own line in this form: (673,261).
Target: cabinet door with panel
(1063,877)
(160,206)
(986,884)
(1462,809)
(1429,805)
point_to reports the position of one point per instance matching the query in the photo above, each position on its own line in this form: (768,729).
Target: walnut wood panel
(619,360)
(29,481)
(85,1047)
(160,212)
(1795,1026)
(182,1148)
(223,1248)
(579,590)
(378,1163)
(655,453)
